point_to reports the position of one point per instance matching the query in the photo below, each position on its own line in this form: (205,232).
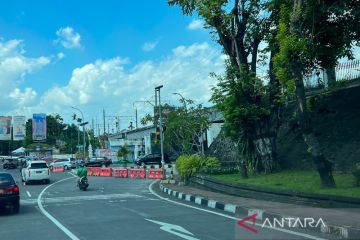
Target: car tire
(66,167)
(16,207)
(47,181)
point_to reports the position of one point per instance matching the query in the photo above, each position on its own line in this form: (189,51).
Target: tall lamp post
(157,90)
(83,125)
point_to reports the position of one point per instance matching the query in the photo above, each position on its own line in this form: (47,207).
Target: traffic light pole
(157,89)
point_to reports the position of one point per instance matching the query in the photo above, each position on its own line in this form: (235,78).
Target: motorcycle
(83,183)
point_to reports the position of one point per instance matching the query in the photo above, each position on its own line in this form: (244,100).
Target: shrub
(188,165)
(220,170)
(356,173)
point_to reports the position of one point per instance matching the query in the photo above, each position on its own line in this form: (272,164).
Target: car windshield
(38,165)
(6,179)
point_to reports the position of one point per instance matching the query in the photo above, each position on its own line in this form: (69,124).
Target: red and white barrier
(121,172)
(137,173)
(58,168)
(155,174)
(96,171)
(105,172)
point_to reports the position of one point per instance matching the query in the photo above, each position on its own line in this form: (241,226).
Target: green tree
(185,127)
(123,153)
(313,33)
(239,27)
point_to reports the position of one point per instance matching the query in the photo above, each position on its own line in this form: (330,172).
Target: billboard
(5,128)
(39,126)
(19,128)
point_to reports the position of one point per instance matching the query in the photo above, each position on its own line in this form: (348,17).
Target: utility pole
(157,90)
(104,120)
(136,118)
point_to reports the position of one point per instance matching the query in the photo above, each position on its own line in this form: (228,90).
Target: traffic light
(157,133)
(74,116)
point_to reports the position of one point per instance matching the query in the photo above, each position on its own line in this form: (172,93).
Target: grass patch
(298,181)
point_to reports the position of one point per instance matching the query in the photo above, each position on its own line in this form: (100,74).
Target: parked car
(61,162)
(74,162)
(98,162)
(153,158)
(35,171)
(10,163)
(9,192)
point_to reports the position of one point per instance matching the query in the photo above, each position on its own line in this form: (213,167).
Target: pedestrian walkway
(345,221)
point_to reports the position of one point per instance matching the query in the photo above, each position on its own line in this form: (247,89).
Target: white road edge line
(234,218)
(56,222)
(28,193)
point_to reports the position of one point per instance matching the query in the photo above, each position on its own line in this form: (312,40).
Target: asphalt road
(115,208)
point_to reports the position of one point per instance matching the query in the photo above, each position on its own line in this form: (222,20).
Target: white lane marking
(167,227)
(28,193)
(92,197)
(234,218)
(56,222)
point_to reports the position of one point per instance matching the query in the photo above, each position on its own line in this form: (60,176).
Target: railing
(345,71)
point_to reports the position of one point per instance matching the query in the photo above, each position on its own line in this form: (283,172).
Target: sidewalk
(344,223)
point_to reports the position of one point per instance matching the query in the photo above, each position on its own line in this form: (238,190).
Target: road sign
(79,146)
(175,229)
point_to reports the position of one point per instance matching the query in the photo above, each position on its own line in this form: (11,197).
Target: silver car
(61,162)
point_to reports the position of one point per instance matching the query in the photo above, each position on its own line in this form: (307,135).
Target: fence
(345,71)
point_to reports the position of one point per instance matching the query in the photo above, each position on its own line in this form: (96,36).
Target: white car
(35,171)
(61,162)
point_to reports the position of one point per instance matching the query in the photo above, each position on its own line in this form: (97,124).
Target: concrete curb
(344,232)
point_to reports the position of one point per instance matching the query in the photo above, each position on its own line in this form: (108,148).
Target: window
(38,165)
(6,179)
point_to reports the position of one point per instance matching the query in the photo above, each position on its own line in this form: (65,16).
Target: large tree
(239,27)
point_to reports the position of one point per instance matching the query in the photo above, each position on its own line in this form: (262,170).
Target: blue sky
(62,53)
(55,54)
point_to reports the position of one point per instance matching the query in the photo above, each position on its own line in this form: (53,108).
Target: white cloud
(60,55)
(150,46)
(23,98)
(68,38)
(108,83)
(196,24)
(14,67)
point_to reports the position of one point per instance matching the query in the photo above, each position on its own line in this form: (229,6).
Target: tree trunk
(254,54)
(265,153)
(323,166)
(330,76)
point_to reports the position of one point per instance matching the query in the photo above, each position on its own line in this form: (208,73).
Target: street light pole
(157,90)
(82,116)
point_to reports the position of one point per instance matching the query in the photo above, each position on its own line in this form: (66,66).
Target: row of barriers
(153,173)
(125,173)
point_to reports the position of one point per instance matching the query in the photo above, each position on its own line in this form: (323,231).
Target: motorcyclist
(82,171)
